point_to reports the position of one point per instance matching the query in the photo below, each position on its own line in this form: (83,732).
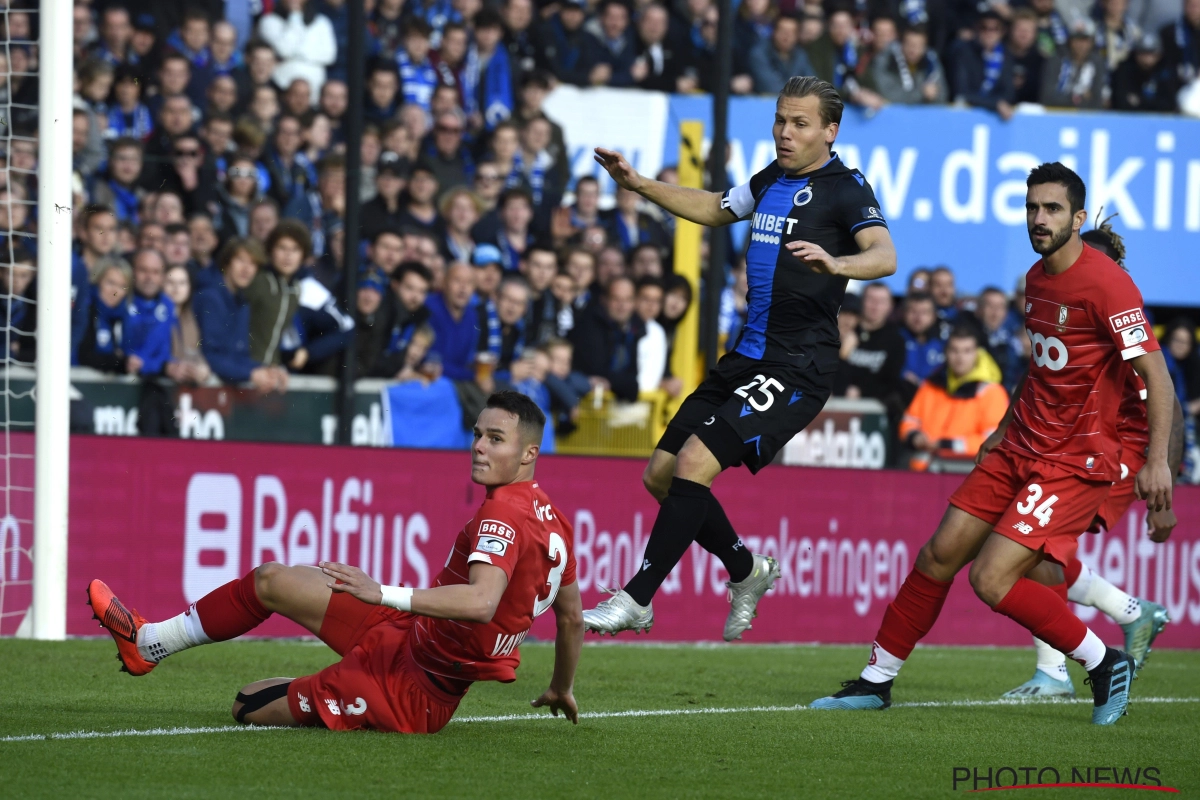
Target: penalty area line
(629,714)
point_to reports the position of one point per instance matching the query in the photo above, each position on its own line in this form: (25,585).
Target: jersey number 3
(558,554)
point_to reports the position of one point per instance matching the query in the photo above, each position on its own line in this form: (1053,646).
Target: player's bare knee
(989,587)
(932,562)
(266,576)
(655,483)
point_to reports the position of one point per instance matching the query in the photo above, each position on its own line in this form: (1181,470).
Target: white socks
(1090,651)
(1090,589)
(1051,661)
(157,640)
(882,667)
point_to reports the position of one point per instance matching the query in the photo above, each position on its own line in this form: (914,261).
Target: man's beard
(1057,240)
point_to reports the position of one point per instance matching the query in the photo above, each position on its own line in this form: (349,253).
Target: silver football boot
(619,613)
(744,596)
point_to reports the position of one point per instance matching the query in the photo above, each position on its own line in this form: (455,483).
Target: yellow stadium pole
(685,361)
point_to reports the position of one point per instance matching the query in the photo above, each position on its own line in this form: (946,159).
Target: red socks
(1045,613)
(910,616)
(231,610)
(1071,571)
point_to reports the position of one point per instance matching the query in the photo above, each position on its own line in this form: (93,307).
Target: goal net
(18,187)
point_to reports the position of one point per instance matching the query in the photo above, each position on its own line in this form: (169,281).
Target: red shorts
(1035,503)
(1120,497)
(376,685)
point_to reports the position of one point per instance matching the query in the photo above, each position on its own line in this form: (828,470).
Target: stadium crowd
(211,185)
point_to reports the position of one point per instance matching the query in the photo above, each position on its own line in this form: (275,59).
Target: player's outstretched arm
(469,602)
(568,612)
(697,205)
(876,257)
(1154,481)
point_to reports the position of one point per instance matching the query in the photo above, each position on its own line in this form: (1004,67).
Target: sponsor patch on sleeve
(492,544)
(1134,335)
(1127,319)
(497,529)
(871,212)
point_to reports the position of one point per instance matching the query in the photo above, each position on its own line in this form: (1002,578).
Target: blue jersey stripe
(762,257)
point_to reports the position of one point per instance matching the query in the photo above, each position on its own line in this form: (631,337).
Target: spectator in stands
(191,39)
(873,354)
(1144,82)
(386,252)
(983,70)
(646,261)
(569,221)
(420,209)
(629,226)
(148,319)
(489,78)
(128,115)
(456,339)
(237,197)
(417,76)
(565,43)
(1028,60)
(16,315)
(909,72)
(610,265)
(178,249)
(258,69)
(405,311)
(1181,43)
(274,294)
(1052,27)
(1003,335)
(612,49)
(836,58)
(151,236)
(290,172)
(488,272)
(118,188)
(503,331)
(581,266)
(383,93)
(945,298)
(460,210)
(116,31)
(384,210)
(1116,32)
(924,349)
(535,166)
(223,315)
(264,216)
(168,208)
(534,89)
(704,52)
(217,135)
(1078,78)
(303,40)
(652,347)
(1183,362)
(513,237)
(955,409)
(386,25)
(539,266)
(191,175)
(223,49)
(371,322)
(606,343)
(660,66)
(732,315)
(100,347)
(202,241)
(187,364)
(319,332)
(519,37)
(774,60)
(446,152)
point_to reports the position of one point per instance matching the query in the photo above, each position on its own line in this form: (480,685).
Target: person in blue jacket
(149,317)
(223,316)
(924,350)
(320,330)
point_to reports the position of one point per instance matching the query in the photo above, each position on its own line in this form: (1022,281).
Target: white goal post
(52,433)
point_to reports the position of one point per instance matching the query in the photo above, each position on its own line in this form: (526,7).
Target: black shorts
(747,409)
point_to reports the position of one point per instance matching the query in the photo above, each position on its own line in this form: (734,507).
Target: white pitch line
(634,713)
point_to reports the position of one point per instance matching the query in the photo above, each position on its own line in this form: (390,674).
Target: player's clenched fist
(1154,486)
(353,581)
(558,701)
(620,169)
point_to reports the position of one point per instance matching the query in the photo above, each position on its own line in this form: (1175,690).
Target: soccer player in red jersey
(1140,620)
(408,655)
(1042,476)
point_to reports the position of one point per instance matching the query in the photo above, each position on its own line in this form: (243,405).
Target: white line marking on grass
(632,713)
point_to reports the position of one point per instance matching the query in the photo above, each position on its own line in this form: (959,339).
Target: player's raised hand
(621,170)
(353,581)
(1154,486)
(814,256)
(558,701)
(1161,523)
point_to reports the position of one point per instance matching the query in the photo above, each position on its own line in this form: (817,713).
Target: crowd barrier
(950,181)
(165,522)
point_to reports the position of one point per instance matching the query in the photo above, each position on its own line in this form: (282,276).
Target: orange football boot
(122,623)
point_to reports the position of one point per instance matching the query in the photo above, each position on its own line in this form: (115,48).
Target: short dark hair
(993,290)
(1056,172)
(125,143)
(1107,241)
(415,26)
(231,248)
(877,285)
(516,192)
(919,297)
(642,283)
(531,422)
(294,230)
(488,18)
(964,332)
(176,227)
(413,267)
(828,100)
(95,210)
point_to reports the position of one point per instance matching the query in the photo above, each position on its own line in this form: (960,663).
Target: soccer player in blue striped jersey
(816,225)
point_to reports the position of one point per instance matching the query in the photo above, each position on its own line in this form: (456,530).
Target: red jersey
(520,531)
(1082,324)
(1132,424)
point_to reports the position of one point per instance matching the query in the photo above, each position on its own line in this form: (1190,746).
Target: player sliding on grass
(1140,620)
(408,655)
(816,225)
(1045,472)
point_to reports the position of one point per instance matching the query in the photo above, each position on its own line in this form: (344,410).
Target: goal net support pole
(52,441)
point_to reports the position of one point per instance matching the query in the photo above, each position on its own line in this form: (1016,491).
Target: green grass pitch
(903,752)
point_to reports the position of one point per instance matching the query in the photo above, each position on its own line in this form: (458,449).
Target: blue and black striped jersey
(792,309)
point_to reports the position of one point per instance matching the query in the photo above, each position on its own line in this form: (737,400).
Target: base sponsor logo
(1126,319)
(501,530)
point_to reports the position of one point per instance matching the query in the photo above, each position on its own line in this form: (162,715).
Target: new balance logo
(304,706)
(1024,527)
(333,706)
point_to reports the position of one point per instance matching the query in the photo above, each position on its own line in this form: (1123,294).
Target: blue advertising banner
(951,183)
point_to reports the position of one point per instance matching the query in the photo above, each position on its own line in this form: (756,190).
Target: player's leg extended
(298,593)
(1050,677)
(1140,620)
(265,702)
(998,579)
(913,611)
